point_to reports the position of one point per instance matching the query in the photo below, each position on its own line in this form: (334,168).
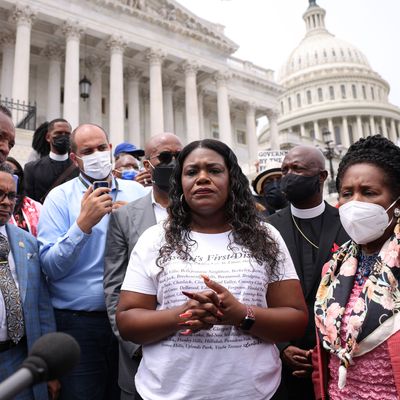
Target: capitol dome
(331,94)
(320,49)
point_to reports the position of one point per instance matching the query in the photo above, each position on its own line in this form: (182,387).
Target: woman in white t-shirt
(208,293)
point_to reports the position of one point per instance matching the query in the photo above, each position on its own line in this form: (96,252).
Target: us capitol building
(153,66)
(329,87)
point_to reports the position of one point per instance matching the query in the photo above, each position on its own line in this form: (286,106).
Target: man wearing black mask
(125,226)
(267,185)
(311,230)
(42,175)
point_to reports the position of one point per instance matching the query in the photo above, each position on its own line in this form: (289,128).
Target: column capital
(250,107)
(133,74)
(54,52)
(190,67)
(7,38)
(72,29)
(95,62)
(168,83)
(23,15)
(272,114)
(116,44)
(221,78)
(155,56)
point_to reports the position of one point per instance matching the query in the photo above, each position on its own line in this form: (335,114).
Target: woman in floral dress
(357,309)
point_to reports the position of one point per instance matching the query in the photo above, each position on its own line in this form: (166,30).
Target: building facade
(153,65)
(329,87)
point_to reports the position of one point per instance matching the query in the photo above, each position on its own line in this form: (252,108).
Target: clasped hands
(212,307)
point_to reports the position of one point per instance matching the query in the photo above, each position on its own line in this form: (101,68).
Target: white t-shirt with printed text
(221,363)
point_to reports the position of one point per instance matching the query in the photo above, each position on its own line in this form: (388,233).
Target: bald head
(161,142)
(86,130)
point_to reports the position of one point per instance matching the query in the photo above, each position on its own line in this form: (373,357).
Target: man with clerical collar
(311,228)
(42,175)
(126,225)
(72,237)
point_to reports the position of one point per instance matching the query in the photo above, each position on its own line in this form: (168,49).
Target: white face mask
(97,165)
(364,222)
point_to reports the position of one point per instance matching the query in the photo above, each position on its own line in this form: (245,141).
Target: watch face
(247,323)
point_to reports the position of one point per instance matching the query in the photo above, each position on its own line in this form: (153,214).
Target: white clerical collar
(307,213)
(58,157)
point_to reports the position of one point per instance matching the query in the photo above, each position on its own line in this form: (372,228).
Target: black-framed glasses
(12,196)
(166,157)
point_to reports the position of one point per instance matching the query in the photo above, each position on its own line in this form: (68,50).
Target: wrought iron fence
(24,115)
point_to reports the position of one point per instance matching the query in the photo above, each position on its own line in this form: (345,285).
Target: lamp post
(329,153)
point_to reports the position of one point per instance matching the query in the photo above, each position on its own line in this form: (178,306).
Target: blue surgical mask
(129,174)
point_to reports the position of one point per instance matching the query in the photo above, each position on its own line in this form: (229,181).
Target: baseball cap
(129,149)
(273,168)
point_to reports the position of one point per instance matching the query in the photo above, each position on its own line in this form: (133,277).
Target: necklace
(365,265)
(302,234)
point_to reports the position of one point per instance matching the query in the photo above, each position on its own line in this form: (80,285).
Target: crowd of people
(181,280)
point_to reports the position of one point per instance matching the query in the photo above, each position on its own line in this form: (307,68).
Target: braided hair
(241,213)
(375,150)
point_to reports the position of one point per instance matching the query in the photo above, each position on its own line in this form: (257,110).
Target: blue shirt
(72,260)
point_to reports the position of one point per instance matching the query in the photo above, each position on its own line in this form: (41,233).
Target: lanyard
(116,187)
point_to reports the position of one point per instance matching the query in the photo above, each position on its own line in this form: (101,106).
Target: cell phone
(97,184)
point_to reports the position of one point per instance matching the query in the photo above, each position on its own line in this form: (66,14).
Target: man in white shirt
(126,226)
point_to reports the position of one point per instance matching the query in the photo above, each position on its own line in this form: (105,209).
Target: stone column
(55,54)
(372,124)
(95,64)
(393,136)
(7,43)
(317,132)
(251,134)
(359,127)
(302,130)
(116,44)
(23,16)
(273,129)
(179,119)
(191,105)
(346,137)
(384,128)
(134,75)
(72,32)
(200,93)
(224,119)
(168,85)
(155,58)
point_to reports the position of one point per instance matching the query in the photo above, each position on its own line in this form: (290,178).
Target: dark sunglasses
(166,157)
(12,196)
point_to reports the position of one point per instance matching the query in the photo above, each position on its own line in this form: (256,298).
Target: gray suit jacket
(125,227)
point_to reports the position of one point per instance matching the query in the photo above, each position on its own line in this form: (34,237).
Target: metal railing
(24,115)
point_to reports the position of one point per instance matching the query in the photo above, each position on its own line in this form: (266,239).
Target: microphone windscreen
(60,352)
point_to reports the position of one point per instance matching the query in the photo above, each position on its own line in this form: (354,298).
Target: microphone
(52,355)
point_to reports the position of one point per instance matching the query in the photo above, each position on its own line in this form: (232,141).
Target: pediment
(173,16)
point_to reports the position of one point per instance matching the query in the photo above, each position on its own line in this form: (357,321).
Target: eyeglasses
(12,196)
(166,157)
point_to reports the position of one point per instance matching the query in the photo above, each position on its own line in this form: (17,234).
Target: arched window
(309,99)
(331,92)
(320,95)
(372,93)
(298,96)
(364,92)
(354,91)
(289,100)
(343,91)
(282,108)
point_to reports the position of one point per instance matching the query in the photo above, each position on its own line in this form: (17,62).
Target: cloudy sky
(268,30)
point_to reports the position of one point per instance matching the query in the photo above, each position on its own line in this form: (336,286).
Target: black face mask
(274,196)
(298,187)
(62,144)
(162,175)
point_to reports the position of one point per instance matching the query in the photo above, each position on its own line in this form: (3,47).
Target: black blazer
(332,232)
